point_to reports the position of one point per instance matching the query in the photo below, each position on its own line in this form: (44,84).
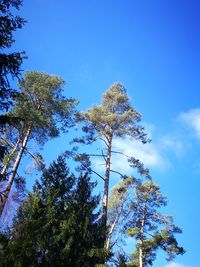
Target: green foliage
(57,224)
(121,260)
(115,116)
(9,63)
(151,229)
(43,112)
(119,192)
(41,105)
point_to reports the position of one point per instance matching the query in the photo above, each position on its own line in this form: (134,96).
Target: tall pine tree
(113,118)
(43,112)
(151,229)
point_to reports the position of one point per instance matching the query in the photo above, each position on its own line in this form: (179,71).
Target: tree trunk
(13,172)
(112,228)
(5,167)
(106,186)
(141,256)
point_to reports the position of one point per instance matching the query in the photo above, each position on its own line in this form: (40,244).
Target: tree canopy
(43,113)
(57,224)
(10,63)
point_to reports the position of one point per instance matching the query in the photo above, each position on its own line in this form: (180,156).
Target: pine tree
(43,112)
(150,228)
(114,118)
(119,209)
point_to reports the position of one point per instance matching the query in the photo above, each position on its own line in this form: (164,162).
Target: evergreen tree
(43,112)
(114,118)
(57,224)
(119,209)
(151,229)
(9,62)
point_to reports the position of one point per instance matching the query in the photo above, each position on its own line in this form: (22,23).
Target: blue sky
(153,48)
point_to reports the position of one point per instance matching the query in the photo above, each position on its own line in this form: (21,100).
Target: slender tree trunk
(106,186)
(13,172)
(141,256)
(113,227)
(10,156)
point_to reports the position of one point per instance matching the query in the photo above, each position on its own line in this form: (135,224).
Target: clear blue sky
(153,48)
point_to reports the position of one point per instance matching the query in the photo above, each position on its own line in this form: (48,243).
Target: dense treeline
(57,224)
(62,222)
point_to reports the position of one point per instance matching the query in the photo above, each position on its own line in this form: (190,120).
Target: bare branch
(117,173)
(121,153)
(97,174)
(103,155)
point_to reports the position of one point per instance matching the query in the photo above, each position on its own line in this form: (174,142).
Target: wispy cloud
(148,154)
(192,119)
(173,143)
(157,154)
(175,264)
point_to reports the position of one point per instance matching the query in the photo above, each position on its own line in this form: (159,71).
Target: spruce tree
(57,225)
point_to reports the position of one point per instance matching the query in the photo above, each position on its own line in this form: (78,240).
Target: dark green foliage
(121,260)
(57,224)
(9,62)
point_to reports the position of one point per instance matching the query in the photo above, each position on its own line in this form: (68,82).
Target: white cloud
(173,143)
(174,264)
(192,119)
(156,154)
(150,154)
(147,153)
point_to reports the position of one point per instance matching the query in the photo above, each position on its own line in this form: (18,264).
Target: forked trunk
(10,156)
(13,172)
(112,228)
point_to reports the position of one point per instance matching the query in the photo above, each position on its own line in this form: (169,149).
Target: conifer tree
(114,118)
(57,225)
(43,112)
(10,63)
(119,209)
(151,229)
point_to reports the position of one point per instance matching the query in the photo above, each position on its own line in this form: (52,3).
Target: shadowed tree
(10,63)
(57,225)
(43,111)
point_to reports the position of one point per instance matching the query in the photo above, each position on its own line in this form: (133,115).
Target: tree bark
(112,228)
(141,256)
(5,167)
(14,171)
(106,185)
